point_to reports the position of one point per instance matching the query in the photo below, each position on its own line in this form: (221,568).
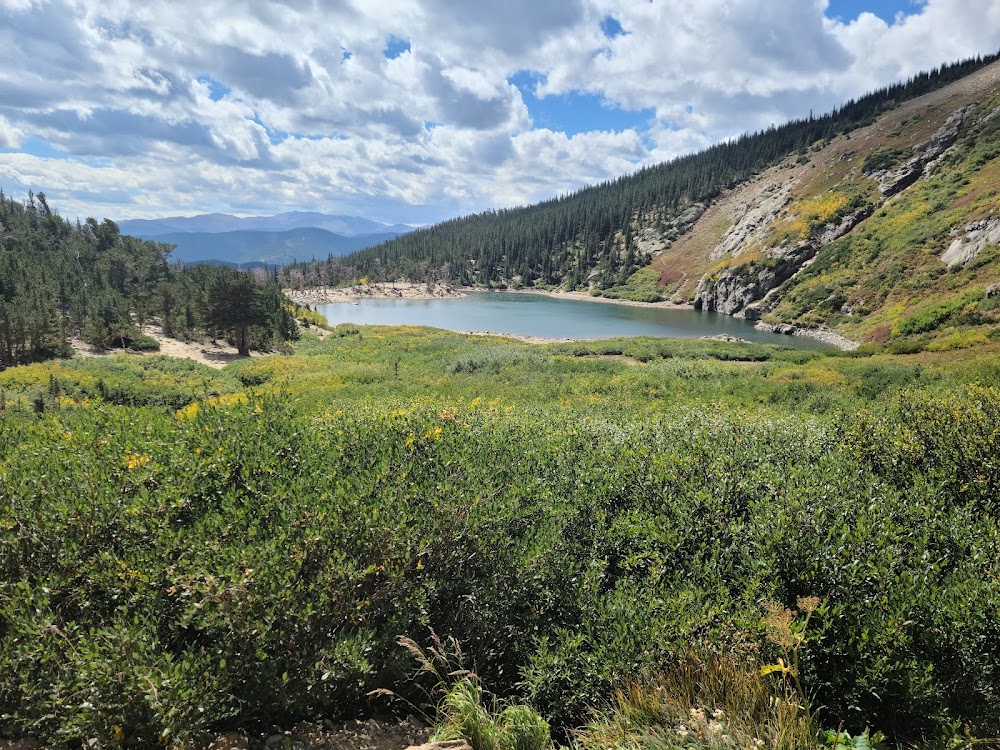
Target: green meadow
(634,543)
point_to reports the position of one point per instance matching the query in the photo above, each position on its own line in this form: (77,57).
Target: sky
(416,111)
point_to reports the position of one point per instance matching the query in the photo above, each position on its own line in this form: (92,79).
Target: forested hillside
(600,236)
(61,281)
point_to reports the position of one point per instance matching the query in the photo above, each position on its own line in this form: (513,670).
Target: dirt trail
(216,354)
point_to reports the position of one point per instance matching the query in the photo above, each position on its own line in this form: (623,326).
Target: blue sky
(419,110)
(887,10)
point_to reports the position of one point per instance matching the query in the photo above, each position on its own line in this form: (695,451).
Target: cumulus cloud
(10,137)
(236,106)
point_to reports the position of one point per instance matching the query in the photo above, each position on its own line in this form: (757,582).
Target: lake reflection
(549,317)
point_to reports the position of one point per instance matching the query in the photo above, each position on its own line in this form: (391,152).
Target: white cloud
(231,105)
(10,137)
(16,6)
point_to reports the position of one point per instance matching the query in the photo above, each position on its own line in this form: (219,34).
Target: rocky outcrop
(760,308)
(730,290)
(894,181)
(751,220)
(971,240)
(748,288)
(834,231)
(654,239)
(820,334)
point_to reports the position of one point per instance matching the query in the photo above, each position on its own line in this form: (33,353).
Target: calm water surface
(538,315)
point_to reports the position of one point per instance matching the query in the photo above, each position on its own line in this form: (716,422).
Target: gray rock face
(752,220)
(895,181)
(760,308)
(689,216)
(735,288)
(747,288)
(971,241)
(731,291)
(652,240)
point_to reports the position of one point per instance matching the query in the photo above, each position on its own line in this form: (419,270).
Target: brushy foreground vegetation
(586,520)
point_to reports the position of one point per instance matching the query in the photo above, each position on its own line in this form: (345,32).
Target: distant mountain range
(267,240)
(269,248)
(346,226)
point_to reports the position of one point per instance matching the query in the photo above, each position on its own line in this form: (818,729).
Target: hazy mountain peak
(347,226)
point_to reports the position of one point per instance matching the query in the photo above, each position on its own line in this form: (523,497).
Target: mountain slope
(599,236)
(888,232)
(839,221)
(272,248)
(347,226)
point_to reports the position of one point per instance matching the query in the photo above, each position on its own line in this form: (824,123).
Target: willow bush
(167,574)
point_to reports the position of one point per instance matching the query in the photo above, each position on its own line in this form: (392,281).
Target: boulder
(971,241)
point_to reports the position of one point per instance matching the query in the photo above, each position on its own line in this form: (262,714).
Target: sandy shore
(585,297)
(520,337)
(327,295)
(410,290)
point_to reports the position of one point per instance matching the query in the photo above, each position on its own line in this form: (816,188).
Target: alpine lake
(547,317)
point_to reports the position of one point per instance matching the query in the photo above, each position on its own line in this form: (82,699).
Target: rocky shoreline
(327,295)
(820,334)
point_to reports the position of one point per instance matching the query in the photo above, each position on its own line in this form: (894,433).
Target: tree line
(590,236)
(61,281)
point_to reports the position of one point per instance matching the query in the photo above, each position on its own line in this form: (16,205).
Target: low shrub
(142,343)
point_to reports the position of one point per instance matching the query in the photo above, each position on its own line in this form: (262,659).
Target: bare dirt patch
(389,290)
(215,354)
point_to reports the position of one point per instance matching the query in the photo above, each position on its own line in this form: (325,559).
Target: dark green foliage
(235,304)
(642,286)
(648,349)
(934,317)
(872,381)
(143,343)
(59,281)
(832,740)
(883,158)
